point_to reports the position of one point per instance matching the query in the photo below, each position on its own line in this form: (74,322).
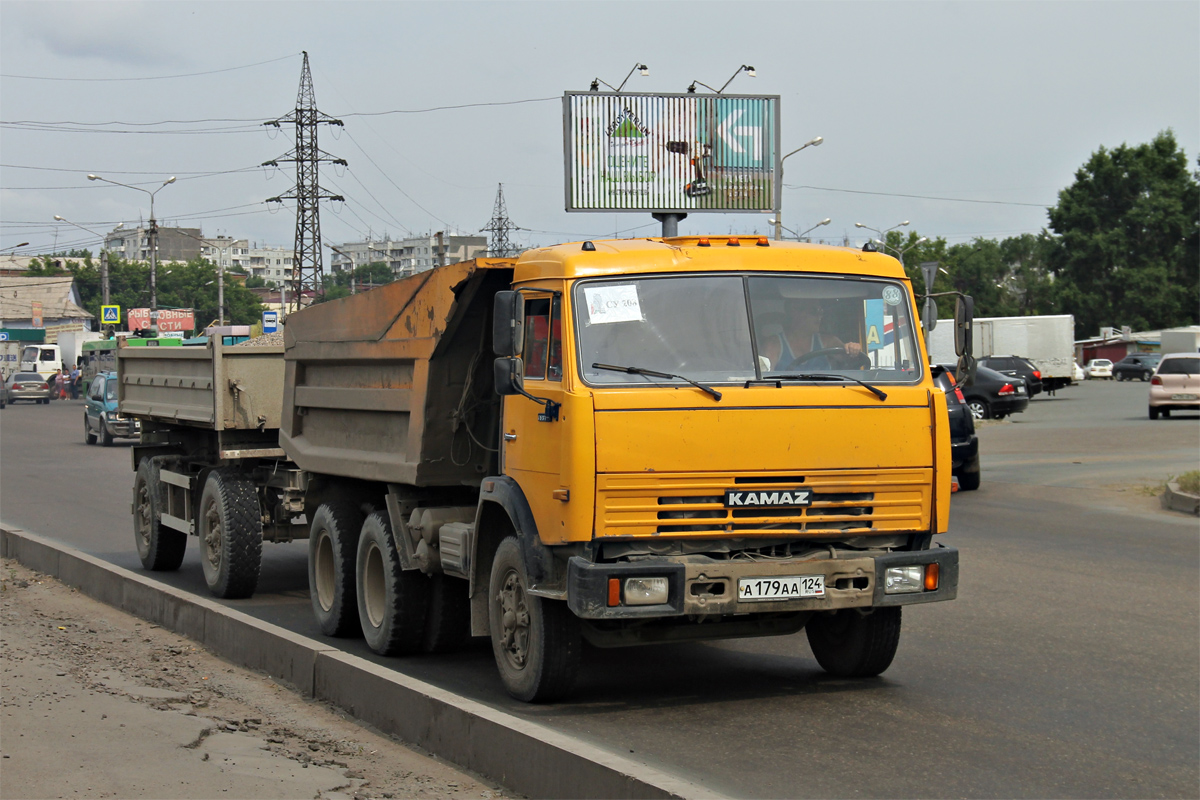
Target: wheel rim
(142,519)
(977,410)
(213,538)
(514,620)
(374,588)
(324,570)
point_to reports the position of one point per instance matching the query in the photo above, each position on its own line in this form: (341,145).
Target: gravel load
(266,340)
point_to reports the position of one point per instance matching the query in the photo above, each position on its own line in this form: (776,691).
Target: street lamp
(595,87)
(882,234)
(813,142)
(746,68)
(802,234)
(153,244)
(349,257)
(15,246)
(103,255)
(901,251)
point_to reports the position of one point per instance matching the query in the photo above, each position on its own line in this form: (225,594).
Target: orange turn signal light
(931,578)
(703,242)
(734,242)
(763,242)
(614,590)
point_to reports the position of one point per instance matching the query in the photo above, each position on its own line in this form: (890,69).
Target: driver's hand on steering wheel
(852,348)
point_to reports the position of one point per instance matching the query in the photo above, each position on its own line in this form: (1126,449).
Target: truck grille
(693,505)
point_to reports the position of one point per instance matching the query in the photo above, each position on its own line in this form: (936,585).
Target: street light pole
(882,234)
(813,142)
(153,244)
(103,255)
(344,254)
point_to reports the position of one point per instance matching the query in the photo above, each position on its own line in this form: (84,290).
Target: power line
(920,196)
(150,78)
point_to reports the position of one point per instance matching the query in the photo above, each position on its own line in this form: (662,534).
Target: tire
(968,479)
(536,641)
(88,436)
(978,408)
(160,549)
(392,602)
(106,438)
(1145,377)
(1166,412)
(853,645)
(448,623)
(1153,412)
(332,549)
(230,525)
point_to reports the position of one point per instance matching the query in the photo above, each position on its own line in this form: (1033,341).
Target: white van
(44,359)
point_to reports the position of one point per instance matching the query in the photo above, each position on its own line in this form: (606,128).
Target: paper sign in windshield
(612,304)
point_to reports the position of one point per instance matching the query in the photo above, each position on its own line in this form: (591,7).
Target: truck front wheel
(332,550)
(849,644)
(159,548)
(392,602)
(536,641)
(230,534)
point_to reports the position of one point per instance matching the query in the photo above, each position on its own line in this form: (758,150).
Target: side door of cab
(94,403)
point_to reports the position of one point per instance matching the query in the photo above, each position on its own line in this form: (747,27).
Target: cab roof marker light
(703,242)
(588,247)
(764,241)
(734,242)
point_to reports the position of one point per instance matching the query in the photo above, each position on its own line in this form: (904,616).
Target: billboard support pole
(670,223)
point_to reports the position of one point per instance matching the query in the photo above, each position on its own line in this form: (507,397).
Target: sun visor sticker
(612,304)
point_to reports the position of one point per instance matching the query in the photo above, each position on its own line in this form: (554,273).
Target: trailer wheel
(448,624)
(536,641)
(230,534)
(853,645)
(392,602)
(88,436)
(332,547)
(159,548)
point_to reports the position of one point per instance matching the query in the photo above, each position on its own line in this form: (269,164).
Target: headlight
(645,591)
(902,580)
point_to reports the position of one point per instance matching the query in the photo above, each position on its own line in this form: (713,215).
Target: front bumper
(124,428)
(703,586)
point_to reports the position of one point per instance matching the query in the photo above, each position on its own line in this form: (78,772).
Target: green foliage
(255,282)
(376,273)
(1130,229)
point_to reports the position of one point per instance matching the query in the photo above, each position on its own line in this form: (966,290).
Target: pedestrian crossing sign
(110,315)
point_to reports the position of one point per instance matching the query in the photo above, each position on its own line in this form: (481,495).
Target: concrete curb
(1175,500)
(521,755)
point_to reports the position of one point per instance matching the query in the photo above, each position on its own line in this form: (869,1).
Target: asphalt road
(1069,666)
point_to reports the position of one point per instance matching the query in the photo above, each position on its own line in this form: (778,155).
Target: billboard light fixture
(746,68)
(638,67)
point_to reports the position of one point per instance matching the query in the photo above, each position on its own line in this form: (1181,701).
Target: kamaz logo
(784,498)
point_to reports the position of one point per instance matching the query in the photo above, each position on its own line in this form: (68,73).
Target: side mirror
(509,374)
(508,325)
(964,317)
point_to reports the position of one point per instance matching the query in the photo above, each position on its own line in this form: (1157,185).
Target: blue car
(100,417)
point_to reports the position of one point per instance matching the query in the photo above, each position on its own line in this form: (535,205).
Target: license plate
(1183,397)
(1020,390)
(785,587)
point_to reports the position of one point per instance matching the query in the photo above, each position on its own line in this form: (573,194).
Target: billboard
(177,319)
(671,153)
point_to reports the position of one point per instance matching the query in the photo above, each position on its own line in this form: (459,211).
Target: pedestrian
(75,375)
(57,391)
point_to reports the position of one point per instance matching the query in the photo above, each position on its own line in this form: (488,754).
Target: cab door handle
(510,437)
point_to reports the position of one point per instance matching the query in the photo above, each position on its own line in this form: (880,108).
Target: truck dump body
(235,392)
(395,385)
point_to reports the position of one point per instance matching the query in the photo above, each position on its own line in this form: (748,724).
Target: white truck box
(1047,341)
(1181,340)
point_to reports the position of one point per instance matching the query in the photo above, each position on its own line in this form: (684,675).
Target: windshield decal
(613,304)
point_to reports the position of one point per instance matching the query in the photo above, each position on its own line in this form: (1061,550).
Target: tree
(1129,230)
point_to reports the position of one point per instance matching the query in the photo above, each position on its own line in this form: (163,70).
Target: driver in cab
(800,343)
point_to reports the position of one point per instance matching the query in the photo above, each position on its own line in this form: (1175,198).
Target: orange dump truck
(627,442)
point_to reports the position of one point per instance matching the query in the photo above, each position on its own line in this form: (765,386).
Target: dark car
(1136,365)
(994,395)
(101,420)
(1016,367)
(964,443)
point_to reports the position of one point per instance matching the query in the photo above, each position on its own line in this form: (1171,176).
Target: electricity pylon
(499,226)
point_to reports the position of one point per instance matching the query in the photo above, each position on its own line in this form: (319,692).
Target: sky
(964,118)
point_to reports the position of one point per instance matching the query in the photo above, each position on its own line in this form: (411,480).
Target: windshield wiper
(820,376)
(651,373)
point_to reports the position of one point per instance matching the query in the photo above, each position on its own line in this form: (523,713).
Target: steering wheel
(860,360)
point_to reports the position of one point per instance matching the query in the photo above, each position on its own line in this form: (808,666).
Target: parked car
(994,395)
(1136,365)
(26,386)
(1016,367)
(1077,373)
(101,420)
(1175,385)
(1098,368)
(964,443)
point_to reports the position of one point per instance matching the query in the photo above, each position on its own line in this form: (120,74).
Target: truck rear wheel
(392,602)
(853,645)
(448,624)
(536,641)
(332,549)
(230,534)
(159,548)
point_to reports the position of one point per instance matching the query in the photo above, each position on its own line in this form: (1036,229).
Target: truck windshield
(738,328)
